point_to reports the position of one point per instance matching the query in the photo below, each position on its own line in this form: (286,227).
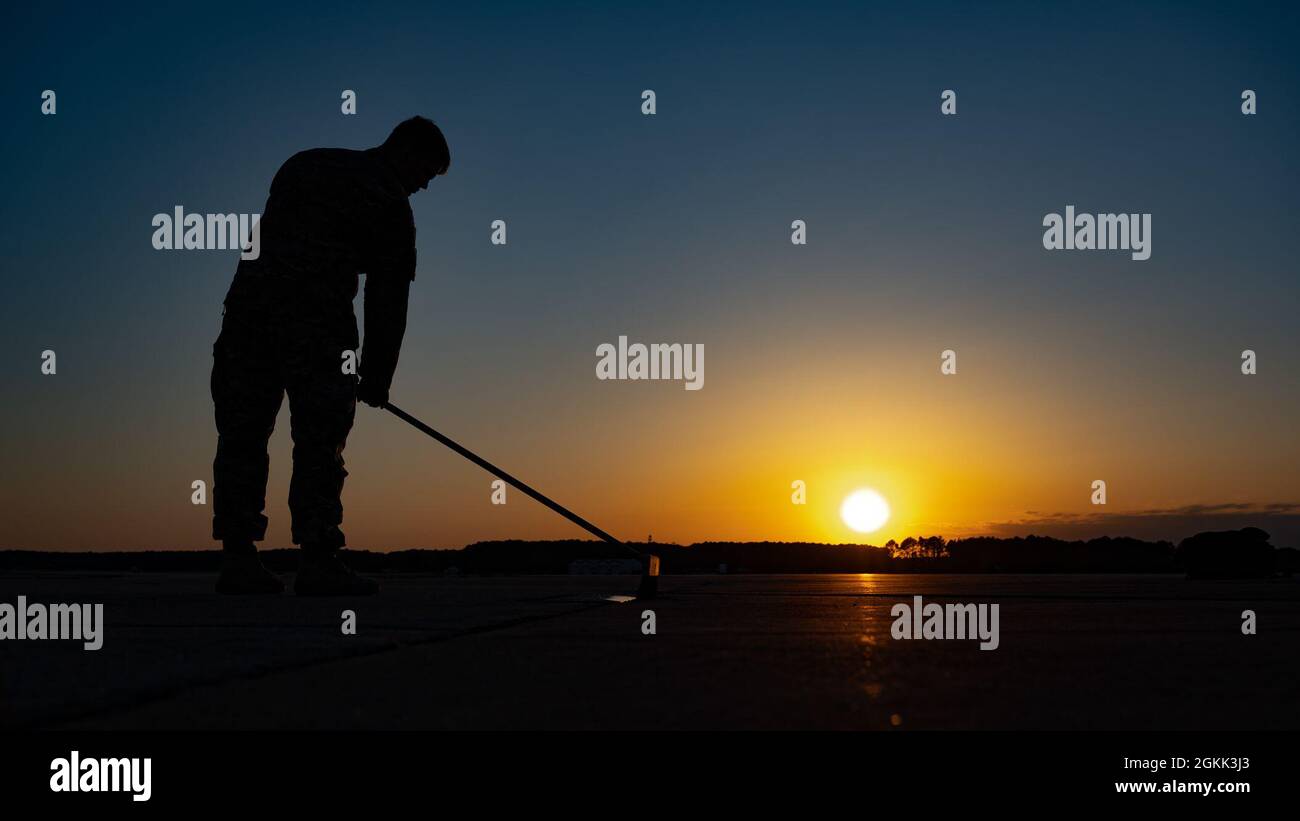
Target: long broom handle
(499,473)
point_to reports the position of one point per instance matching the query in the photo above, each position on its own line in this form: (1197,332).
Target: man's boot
(242,573)
(323,573)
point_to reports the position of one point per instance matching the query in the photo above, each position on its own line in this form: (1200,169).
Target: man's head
(418,151)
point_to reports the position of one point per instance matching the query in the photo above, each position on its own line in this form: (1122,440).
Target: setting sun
(865,511)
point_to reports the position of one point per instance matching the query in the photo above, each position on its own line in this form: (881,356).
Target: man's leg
(246,393)
(322,407)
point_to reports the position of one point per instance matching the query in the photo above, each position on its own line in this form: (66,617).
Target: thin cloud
(1280,519)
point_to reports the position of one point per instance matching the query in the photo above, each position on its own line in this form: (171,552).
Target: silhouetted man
(332,214)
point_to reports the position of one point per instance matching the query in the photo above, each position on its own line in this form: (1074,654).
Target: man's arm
(385,307)
(388,286)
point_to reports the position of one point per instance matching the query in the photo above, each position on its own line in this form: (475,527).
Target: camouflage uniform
(331,214)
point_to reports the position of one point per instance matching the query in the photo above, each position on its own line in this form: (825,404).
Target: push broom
(649,562)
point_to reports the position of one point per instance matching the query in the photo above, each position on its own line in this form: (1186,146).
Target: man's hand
(372,393)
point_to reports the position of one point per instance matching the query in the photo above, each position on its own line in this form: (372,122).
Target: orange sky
(952,454)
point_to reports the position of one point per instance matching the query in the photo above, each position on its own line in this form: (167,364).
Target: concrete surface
(1076,652)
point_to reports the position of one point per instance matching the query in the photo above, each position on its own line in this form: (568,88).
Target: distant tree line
(1244,553)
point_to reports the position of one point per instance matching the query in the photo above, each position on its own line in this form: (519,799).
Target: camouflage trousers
(256,361)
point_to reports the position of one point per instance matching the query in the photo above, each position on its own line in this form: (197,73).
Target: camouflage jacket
(332,214)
